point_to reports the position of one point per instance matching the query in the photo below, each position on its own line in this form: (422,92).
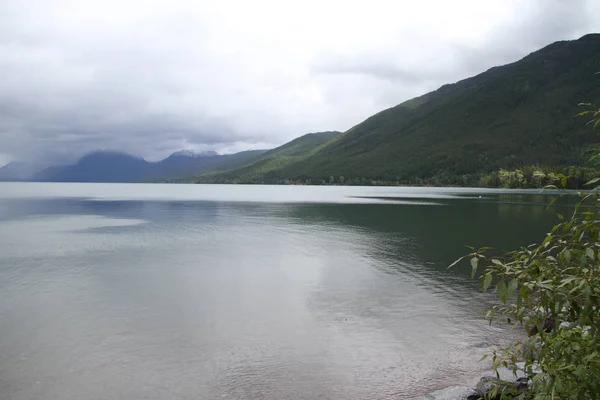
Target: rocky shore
(482,386)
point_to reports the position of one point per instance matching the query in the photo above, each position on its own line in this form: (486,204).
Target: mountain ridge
(509,116)
(516,115)
(119,166)
(274,159)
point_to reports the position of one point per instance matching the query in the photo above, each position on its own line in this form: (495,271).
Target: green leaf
(512,287)
(590,253)
(554,199)
(502,290)
(591,182)
(487,281)
(454,263)
(474,263)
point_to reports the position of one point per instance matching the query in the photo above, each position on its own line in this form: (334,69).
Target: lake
(149,291)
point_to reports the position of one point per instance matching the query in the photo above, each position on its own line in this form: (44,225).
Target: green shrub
(552,289)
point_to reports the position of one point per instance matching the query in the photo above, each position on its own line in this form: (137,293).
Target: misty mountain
(19,171)
(113,166)
(100,166)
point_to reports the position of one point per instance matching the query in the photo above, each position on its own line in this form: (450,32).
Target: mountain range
(19,171)
(512,116)
(516,115)
(113,166)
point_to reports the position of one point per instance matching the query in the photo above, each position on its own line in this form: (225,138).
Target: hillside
(109,166)
(274,160)
(509,116)
(209,164)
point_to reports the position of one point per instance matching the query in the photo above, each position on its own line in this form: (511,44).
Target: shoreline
(468,392)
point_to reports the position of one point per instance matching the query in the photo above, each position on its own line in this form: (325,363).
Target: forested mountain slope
(274,160)
(509,116)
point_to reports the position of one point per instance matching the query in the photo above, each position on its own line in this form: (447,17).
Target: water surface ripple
(116,291)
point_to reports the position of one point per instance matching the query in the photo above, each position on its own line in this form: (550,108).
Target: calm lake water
(131,291)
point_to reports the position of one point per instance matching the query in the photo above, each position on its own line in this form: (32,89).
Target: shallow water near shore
(114,291)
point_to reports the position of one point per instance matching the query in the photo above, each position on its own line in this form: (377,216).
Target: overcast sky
(152,77)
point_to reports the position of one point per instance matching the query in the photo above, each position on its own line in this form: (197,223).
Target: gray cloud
(439,61)
(152,77)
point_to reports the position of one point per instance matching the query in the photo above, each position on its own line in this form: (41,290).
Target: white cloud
(151,77)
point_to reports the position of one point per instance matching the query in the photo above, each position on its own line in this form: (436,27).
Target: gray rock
(519,383)
(451,393)
(486,386)
(506,374)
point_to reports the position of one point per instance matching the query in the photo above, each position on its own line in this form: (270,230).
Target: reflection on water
(210,292)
